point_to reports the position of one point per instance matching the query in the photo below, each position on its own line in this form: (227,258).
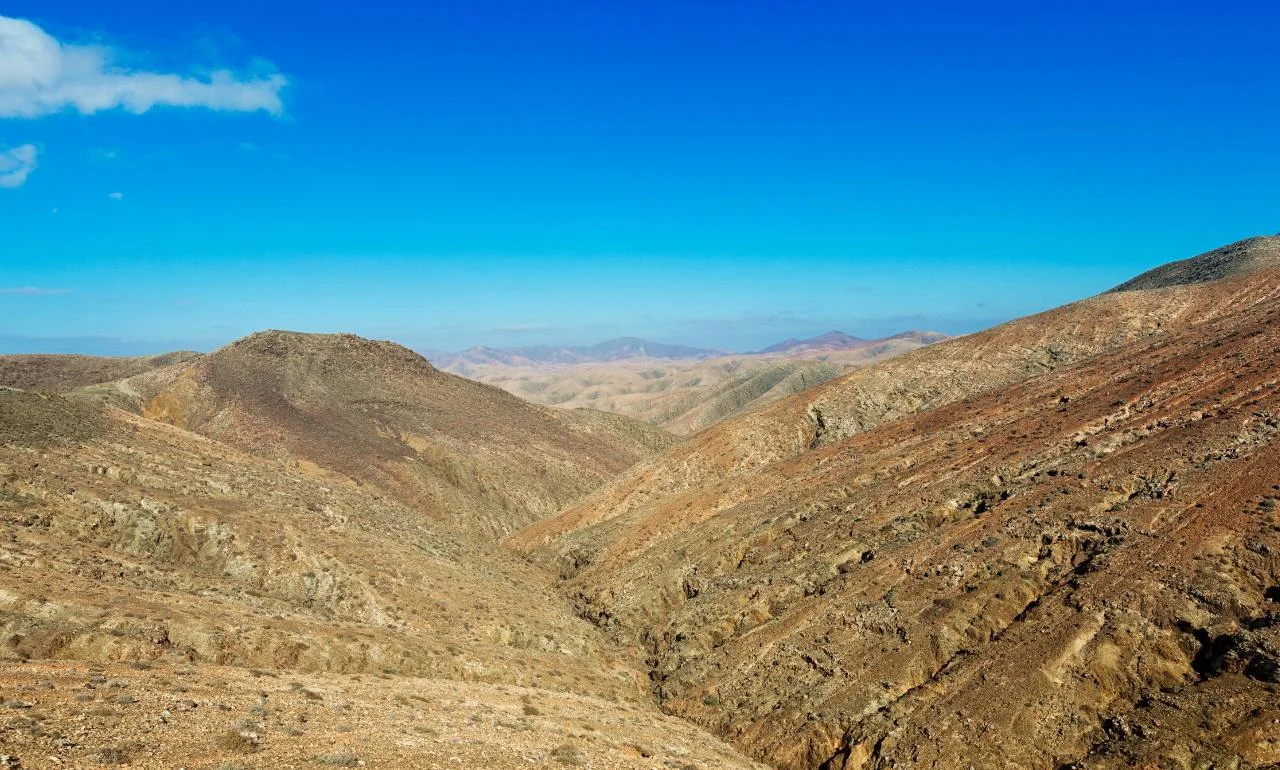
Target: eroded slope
(1053,543)
(127,540)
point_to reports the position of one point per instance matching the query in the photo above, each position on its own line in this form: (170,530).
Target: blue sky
(709,172)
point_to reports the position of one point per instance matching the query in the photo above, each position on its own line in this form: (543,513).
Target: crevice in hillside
(819,429)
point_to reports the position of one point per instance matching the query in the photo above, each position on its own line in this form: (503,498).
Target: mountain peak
(1239,258)
(279,343)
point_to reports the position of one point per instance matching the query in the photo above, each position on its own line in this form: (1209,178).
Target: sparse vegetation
(568,754)
(239,741)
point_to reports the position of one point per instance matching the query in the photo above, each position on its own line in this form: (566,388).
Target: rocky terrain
(139,560)
(1052,544)
(167,715)
(684,394)
(62,373)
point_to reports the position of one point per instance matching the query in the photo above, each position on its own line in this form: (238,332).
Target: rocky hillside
(168,599)
(1053,544)
(466,454)
(62,373)
(925,379)
(1241,258)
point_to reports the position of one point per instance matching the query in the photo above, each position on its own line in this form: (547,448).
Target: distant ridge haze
(678,388)
(838,340)
(623,348)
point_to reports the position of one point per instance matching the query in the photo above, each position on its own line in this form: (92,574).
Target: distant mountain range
(624,348)
(680,388)
(601,352)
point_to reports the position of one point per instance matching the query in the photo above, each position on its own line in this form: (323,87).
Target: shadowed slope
(379,413)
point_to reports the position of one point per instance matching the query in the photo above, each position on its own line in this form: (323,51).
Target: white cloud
(117,196)
(40,75)
(16,164)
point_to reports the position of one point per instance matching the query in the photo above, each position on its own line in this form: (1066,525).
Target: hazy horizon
(107,346)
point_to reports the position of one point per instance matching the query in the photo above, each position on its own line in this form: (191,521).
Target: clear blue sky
(713,172)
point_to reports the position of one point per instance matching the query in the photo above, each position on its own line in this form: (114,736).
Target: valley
(1054,543)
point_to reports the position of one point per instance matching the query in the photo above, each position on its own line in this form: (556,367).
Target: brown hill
(932,376)
(62,373)
(1052,544)
(167,599)
(379,413)
(1240,258)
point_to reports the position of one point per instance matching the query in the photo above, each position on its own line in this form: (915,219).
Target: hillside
(685,396)
(465,453)
(1051,544)
(62,373)
(1240,258)
(167,599)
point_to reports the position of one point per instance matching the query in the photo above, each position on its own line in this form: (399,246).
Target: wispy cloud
(116,196)
(40,75)
(32,291)
(16,163)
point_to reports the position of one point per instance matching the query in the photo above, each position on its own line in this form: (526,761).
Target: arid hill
(1052,544)
(465,453)
(62,373)
(170,600)
(1240,258)
(687,395)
